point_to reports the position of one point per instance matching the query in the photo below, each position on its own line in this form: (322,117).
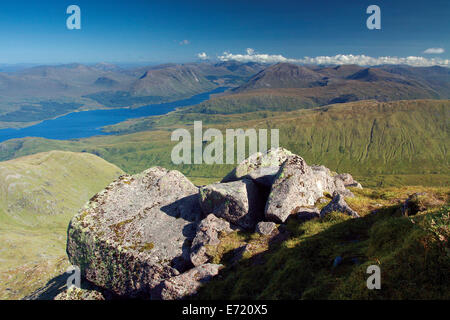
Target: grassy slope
(36,205)
(381,143)
(413,254)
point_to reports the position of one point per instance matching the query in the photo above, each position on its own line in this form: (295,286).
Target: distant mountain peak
(375,74)
(284,75)
(106,82)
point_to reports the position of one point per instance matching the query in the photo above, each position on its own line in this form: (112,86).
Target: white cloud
(363,60)
(251,56)
(371,61)
(202,56)
(434,51)
(184,42)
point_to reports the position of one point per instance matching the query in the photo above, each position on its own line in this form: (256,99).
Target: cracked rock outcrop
(186,284)
(208,232)
(298,185)
(238,202)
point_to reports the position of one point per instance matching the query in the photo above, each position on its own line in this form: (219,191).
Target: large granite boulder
(186,284)
(338,204)
(298,185)
(136,232)
(262,168)
(208,232)
(294,187)
(239,202)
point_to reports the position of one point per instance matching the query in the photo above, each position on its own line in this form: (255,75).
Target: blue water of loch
(89,123)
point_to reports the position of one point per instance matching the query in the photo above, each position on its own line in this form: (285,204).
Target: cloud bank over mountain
(252,56)
(434,51)
(202,56)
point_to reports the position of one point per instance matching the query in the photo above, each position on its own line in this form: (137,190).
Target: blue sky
(154,31)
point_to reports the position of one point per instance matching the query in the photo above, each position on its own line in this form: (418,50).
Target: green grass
(39,194)
(412,252)
(51,184)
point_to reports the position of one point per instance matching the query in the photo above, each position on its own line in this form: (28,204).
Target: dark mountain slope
(175,80)
(341,71)
(436,78)
(372,75)
(283,75)
(286,99)
(287,86)
(106,82)
(242,69)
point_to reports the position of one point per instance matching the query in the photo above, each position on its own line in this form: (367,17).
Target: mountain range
(43,92)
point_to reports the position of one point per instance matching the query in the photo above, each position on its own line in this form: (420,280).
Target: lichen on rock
(208,232)
(298,185)
(260,167)
(74,293)
(136,232)
(186,284)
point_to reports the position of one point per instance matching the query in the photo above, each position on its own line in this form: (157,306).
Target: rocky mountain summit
(148,235)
